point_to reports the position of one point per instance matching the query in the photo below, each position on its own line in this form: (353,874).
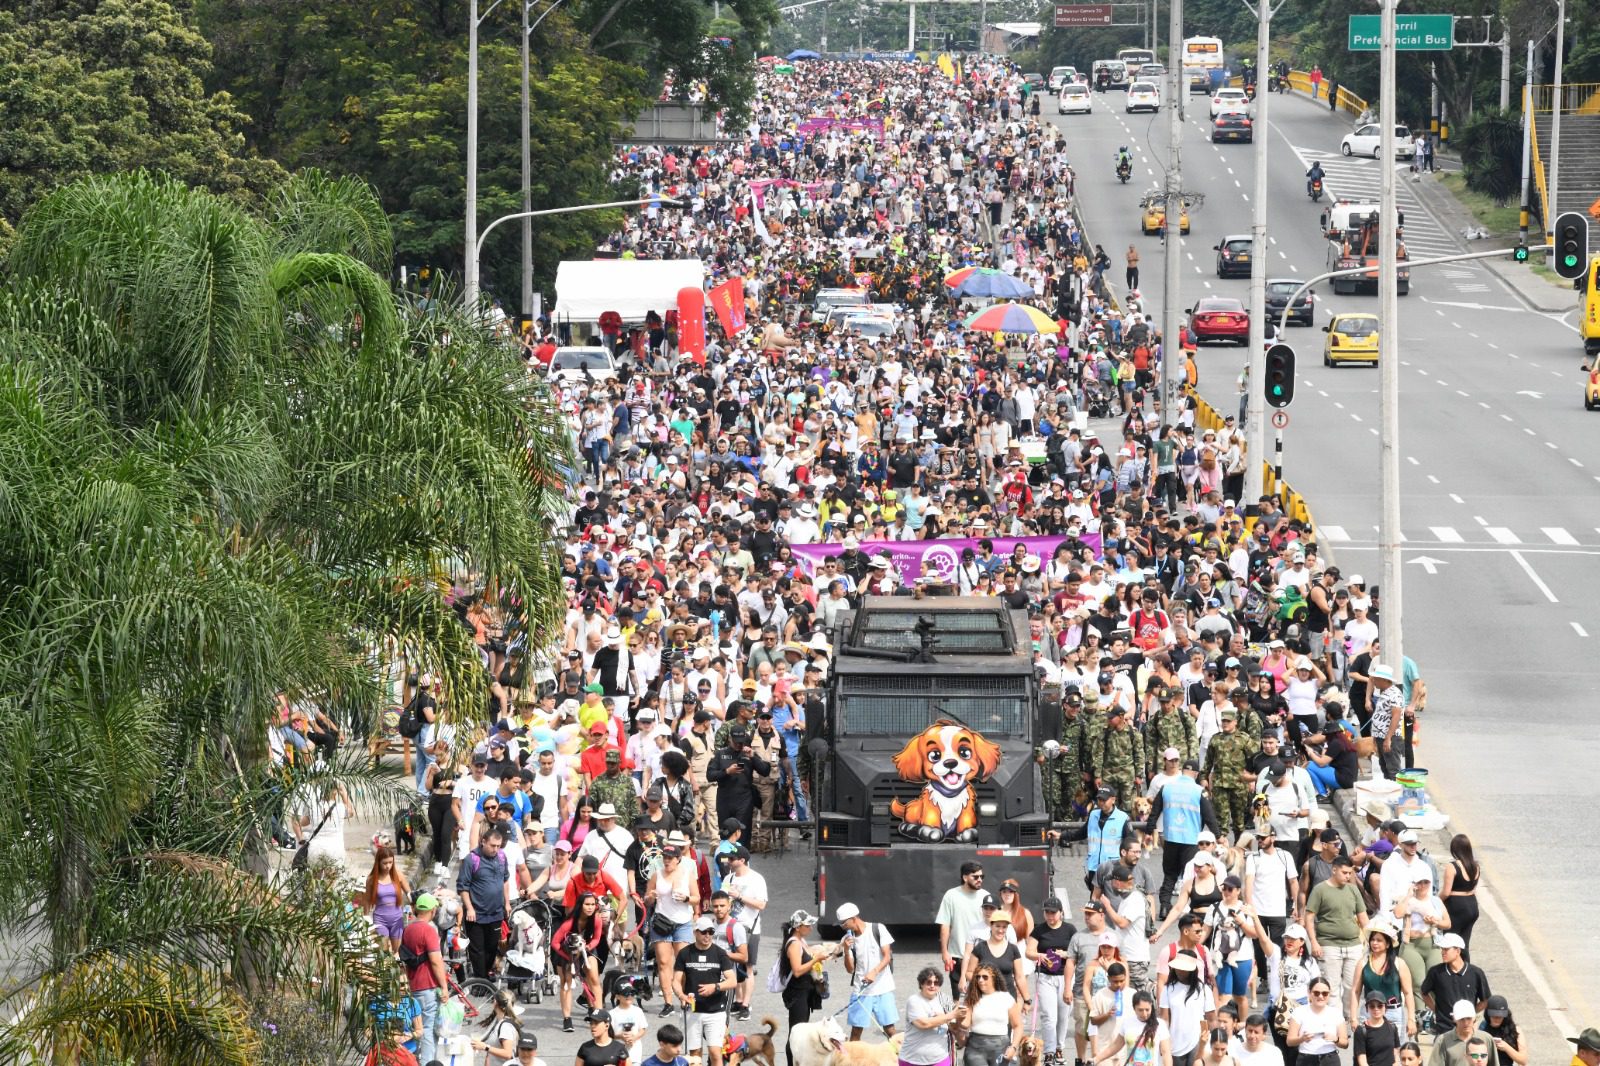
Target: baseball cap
(1462,1009)
(1449,940)
(1121,873)
(847,911)
(1408,836)
(599,1014)
(1295,930)
(705,923)
(1497,1007)
(425,902)
(1053,904)
(1377,998)
(527,1042)
(988,902)
(1205,836)
(1170,753)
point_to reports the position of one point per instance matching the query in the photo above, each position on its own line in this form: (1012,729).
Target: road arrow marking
(1530,392)
(1431,565)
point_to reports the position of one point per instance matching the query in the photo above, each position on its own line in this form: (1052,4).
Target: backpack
(777,979)
(1226,936)
(411,721)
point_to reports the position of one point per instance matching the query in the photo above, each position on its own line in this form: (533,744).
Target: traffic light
(1572,245)
(1520,253)
(1280,375)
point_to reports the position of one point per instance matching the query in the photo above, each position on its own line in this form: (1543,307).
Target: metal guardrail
(1538,164)
(1294,505)
(1577,98)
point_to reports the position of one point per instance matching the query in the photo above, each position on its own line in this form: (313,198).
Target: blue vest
(1180,811)
(1105,837)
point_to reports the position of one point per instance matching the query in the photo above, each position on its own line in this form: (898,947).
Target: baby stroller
(528,972)
(1098,400)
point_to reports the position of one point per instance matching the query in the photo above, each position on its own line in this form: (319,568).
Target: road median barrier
(1293,504)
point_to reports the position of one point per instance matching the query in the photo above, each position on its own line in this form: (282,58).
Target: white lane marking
(1456,498)
(1355,416)
(1339,405)
(1433,479)
(1478,518)
(1411,459)
(1335,533)
(1576,628)
(1502,535)
(1506,417)
(1537,580)
(1460,393)
(1559,535)
(1574,462)
(1447,534)
(1549,444)
(1483,405)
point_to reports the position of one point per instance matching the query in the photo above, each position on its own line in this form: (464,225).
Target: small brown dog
(753,1048)
(861,1053)
(1030,1051)
(1366,747)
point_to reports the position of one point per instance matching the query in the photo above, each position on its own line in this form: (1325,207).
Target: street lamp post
(527,176)
(469,289)
(1172,221)
(1388,345)
(1555,123)
(477,248)
(1255,427)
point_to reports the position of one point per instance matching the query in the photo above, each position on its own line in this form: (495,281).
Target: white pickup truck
(1340,216)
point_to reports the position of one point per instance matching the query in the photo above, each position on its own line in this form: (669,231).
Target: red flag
(692,323)
(728,300)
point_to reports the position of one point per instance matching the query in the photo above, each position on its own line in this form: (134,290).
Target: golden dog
(861,1053)
(947,758)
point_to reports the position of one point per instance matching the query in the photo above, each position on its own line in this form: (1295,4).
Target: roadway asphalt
(1500,508)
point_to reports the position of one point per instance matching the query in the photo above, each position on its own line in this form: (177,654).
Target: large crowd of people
(1222,688)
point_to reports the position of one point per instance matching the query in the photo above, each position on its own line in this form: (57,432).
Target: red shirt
(602,885)
(592,763)
(385,1055)
(421,937)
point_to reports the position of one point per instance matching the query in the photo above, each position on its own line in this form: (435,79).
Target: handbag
(662,926)
(302,854)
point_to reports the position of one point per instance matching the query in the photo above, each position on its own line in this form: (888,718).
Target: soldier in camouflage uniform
(1118,757)
(1062,769)
(616,788)
(1171,727)
(1227,774)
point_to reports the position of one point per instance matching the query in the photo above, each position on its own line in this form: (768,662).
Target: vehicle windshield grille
(905,714)
(973,633)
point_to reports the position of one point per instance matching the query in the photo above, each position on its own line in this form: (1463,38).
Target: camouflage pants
(1124,788)
(1233,809)
(763,839)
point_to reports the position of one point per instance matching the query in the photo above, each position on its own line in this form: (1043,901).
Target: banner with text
(943,555)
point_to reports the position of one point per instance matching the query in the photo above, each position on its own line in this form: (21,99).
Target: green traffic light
(1571,260)
(1521,253)
(1277,390)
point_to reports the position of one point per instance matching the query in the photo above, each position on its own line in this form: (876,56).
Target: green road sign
(1412,33)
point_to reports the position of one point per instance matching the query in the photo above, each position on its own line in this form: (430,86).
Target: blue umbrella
(994,284)
(802,53)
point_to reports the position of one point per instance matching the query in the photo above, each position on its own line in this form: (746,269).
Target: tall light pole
(477,248)
(1255,428)
(1388,345)
(1171,346)
(1555,122)
(469,288)
(1527,144)
(527,176)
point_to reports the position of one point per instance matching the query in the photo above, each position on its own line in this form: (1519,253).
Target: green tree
(91,88)
(231,466)
(1491,154)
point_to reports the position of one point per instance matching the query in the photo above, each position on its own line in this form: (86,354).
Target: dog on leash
(754,1049)
(861,1053)
(815,1043)
(1030,1051)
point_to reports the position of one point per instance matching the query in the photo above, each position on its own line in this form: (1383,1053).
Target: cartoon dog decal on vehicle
(946,759)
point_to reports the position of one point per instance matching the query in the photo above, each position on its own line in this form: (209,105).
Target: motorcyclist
(1313,175)
(1124,159)
(1103,79)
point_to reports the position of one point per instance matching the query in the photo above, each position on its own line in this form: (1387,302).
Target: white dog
(814,1043)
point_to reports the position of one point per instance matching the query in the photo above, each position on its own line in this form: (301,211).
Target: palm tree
(231,465)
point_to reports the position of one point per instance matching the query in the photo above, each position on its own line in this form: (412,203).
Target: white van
(1116,69)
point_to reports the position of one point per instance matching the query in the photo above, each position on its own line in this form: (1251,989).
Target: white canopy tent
(587,289)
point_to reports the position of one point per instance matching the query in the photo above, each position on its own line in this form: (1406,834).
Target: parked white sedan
(1368,140)
(1075,99)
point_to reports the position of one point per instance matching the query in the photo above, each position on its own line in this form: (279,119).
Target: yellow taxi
(1352,338)
(1591,386)
(1154,208)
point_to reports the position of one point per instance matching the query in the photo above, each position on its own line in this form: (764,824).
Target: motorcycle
(1250,90)
(1124,171)
(1314,190)
(1280,84)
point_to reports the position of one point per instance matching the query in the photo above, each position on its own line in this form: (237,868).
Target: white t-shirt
(868,950)
(1186,1014)
(1269,891)
(551,788)
(1135,940)
(749,885)
(609,849)
(621,1018)
(1268,1055)
(1147,1053)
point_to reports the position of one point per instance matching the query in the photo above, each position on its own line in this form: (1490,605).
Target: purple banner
(943,555)
(818,123)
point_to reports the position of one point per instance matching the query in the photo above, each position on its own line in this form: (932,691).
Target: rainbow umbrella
(1012,318)
(956,277)
(994,284)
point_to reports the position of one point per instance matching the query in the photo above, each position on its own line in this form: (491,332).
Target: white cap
(1356,579)
(847,911)
(1462,1010)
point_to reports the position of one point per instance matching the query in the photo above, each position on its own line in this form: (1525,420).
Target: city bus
(1203,52)
(1134,59)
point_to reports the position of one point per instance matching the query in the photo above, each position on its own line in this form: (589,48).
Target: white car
(1227,99)
(1075,99)
(1143,96)
(1060,76)
(575,363)
(1368,140)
